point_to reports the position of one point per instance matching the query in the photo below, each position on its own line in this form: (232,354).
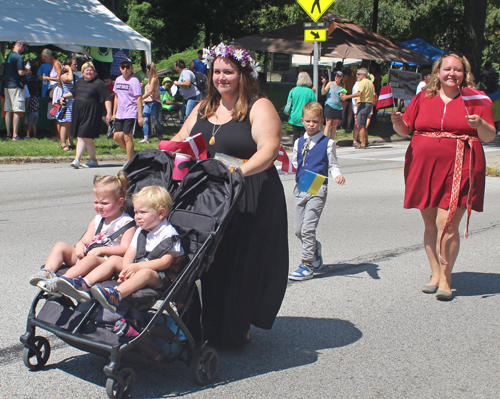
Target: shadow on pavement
(268,351)
(475,284)
(349,269)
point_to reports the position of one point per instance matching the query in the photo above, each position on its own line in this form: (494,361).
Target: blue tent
(422,47)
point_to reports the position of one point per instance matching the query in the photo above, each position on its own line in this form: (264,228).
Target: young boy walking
(313,152)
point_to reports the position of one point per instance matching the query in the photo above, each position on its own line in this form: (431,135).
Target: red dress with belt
(430,161)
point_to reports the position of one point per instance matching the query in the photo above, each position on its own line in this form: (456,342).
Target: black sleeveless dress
(247,281)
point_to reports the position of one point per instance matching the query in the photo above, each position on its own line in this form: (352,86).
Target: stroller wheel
(204,365)
(120,389)
(35,358)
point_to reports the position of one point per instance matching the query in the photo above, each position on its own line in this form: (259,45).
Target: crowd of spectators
(25,93)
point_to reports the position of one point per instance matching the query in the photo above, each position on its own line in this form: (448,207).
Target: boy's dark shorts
(331,113)
(127,126)
(364,111)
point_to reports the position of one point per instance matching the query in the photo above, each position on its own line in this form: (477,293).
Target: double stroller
(151,327)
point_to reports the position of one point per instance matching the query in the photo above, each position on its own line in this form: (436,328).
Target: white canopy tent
(63,23)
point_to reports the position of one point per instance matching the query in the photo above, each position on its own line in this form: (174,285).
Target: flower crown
(225,51)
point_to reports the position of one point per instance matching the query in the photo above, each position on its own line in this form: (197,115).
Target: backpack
(201,81)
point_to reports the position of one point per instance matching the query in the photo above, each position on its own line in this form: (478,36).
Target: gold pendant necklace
(214,131)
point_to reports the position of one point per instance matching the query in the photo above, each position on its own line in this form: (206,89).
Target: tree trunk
(474,21)
(375,16)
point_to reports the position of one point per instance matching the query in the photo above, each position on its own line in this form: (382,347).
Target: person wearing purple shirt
(127,110)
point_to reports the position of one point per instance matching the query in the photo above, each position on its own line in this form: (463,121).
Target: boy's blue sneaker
(75,288)
(108,297)
(304,272)
(318,263)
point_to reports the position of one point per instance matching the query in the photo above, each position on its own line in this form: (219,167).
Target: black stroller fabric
(203,205)
(150,167)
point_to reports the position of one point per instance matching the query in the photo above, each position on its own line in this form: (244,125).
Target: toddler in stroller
(153,258)
(108,234)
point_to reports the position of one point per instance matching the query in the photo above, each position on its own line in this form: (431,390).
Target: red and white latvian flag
(193,146)
(475,97)
(286,165)
(386,98)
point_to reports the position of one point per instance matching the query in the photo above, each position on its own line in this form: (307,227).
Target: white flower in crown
(239,54)
(220,50)
(208,59)
(255,69)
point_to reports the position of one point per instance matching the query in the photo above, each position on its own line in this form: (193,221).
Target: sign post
(315,9)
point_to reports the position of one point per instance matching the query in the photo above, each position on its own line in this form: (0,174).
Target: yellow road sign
(315,8)
(315,35)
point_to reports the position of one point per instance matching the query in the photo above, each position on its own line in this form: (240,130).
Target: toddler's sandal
(42,275)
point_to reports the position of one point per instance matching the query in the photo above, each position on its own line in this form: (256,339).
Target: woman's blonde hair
(157,197)
(248,92)
(313,107)
(152,70)
(88,64)
(113,186)
(435,84)
(304,79)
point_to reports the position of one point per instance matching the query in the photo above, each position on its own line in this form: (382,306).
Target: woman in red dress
(446,134)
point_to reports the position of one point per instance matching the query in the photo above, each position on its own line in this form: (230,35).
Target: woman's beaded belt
(457,179)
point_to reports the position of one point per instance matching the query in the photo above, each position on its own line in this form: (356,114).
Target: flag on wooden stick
(473,97)
(386,99)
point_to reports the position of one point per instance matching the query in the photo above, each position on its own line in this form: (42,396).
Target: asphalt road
(359,329)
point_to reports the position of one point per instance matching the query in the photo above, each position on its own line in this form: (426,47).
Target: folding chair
(168,115)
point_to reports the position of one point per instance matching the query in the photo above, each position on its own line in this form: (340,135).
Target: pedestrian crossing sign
(315,8)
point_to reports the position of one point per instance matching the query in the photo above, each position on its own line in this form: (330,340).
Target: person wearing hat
(333,103)
(15,100)
(167,100)
(127,110)
(365,93)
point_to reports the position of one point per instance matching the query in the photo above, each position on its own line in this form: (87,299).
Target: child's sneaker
(108,297)
(42,275)
(304,272)
(75,288)
(50,286)
(318,263)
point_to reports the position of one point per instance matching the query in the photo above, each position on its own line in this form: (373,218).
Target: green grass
(47,146)
(278,94)
(492,172)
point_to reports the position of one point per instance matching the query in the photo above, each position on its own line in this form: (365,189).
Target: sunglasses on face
(125,66)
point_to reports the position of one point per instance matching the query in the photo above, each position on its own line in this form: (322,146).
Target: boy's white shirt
(157,235)
(333,165)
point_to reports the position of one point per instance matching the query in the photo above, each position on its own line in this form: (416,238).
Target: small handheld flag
(386,99)
(311,182)
(286,165)
(473,97)
(194,146)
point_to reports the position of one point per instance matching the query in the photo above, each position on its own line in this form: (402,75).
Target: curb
(58,159)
